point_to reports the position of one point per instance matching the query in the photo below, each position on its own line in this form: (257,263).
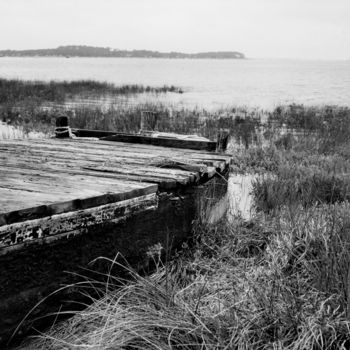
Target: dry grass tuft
(271,283)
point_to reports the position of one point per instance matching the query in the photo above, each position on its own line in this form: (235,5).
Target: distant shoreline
(156,58)
(91,51)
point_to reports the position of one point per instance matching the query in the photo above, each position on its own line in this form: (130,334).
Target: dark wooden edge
(73,205)
(155,141)
(165,142)
(162,182)
(92,133)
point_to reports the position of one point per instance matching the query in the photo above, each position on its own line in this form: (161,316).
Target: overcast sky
(259,28)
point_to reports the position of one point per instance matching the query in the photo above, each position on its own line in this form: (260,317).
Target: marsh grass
(33,106)
(305,178)
(277,281)
(269,283)
(12,91)
(326,127)
(27,104)
(290,188)
(124,118)
(9,132)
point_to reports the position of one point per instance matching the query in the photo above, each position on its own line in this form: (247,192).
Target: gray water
(207,83)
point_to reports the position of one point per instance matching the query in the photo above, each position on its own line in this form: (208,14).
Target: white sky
(259,28)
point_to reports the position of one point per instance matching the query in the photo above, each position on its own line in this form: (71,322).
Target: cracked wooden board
(59,226)
(25,194)
(51,176)
(96,148)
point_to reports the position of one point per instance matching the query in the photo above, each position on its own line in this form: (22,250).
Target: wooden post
(149,121)
(62,129)
(142,123)
(222,140)
(154,121)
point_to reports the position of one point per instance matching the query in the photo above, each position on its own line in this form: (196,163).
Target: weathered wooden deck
(41,178)
(64,202)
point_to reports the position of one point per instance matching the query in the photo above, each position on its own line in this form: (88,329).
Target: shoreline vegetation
(32,106)
(279,280)
(20,91)
(92,51)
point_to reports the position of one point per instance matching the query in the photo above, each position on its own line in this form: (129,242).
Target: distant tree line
(91,51)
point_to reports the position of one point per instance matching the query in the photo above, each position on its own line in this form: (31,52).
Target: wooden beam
(160,141)
(91,133)
(147,140)
(62,127)
(47,229)
(49,176)
(222,140)
(54,204)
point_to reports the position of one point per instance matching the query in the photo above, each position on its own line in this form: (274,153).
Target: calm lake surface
(207,83)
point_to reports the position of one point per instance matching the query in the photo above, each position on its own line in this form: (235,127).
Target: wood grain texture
(160,141)
(45,177)
(45,230)
(147,140)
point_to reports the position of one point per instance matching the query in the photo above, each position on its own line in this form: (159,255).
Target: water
(207,83)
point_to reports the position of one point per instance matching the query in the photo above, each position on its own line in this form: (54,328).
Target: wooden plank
(219,163)
(149,158)
(18,210)
(92,133)
(159,166)
(125,153)
(141,139)
(44,172)
(138,172)
(24,194)
(129,149)
(193,163)
(45,230)
(162,182)
(40,181)
(160,141)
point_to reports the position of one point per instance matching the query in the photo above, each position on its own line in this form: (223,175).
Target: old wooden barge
(66,201)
